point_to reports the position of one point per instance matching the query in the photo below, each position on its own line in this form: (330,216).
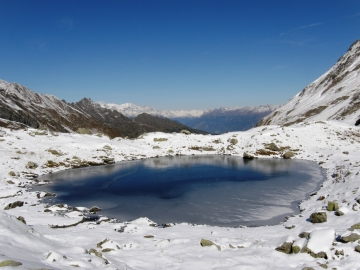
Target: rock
(233,141)
(208,243)
(83,131)
(355,227)
(186,132)
(339,213)
(94,209)
(107,250)
(10,263)
(22,219)
(31,165)
(318,217)
(248,156)
(295,249)
(273,147)
(148,236)
(357,248)
(288,155)
(350,238)
(308,268)
(332,206)
(13,205)
(11,173)
(355,207)
(95,252)
(304,235)
(286,248)
(321,254)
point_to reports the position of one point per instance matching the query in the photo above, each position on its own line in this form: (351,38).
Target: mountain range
(215,121)
(19,104)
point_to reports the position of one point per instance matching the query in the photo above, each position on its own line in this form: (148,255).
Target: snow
(132,110)
(37,245)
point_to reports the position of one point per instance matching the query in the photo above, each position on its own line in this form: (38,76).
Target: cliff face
(333,96)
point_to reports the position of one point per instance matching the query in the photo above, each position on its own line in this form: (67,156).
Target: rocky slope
(333,96)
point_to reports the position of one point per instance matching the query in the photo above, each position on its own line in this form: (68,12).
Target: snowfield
(48,240)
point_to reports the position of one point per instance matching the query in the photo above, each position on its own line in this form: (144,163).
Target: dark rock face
(318,217)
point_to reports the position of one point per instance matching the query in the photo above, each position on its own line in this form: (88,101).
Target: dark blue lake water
(213,190)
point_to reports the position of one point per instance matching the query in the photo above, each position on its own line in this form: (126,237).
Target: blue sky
(174,54)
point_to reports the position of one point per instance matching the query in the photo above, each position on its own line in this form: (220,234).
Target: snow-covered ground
(140,244)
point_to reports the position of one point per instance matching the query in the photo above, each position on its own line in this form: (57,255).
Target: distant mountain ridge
(215,121)
(20,104)
(132,110)
(333,96)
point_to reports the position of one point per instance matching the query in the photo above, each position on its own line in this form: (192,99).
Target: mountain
(215,121)
(223,120)
(333,96)
(132,110)
(19,104)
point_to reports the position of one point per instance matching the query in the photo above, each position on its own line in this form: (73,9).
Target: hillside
(333,96)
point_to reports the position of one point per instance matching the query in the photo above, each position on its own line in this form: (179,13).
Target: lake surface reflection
(213,190)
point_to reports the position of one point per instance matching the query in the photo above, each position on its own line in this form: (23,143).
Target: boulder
(355,227)
(186,132)
(357,248)
(13,205)
(339,213)
(350,238)
(22,219)
(318,217)
(94,209)
(332,206)
(304,235)
(273,147)
(286,248)
(31,165)
(10,263)
(288,155)
(233,141)
(208,243)
(248,156)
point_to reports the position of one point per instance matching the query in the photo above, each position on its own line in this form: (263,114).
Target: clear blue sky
(174,54)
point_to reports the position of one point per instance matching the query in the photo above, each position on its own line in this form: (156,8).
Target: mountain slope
(19,104)
(333,96)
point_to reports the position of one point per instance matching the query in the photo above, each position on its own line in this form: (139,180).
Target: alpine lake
(216,190)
